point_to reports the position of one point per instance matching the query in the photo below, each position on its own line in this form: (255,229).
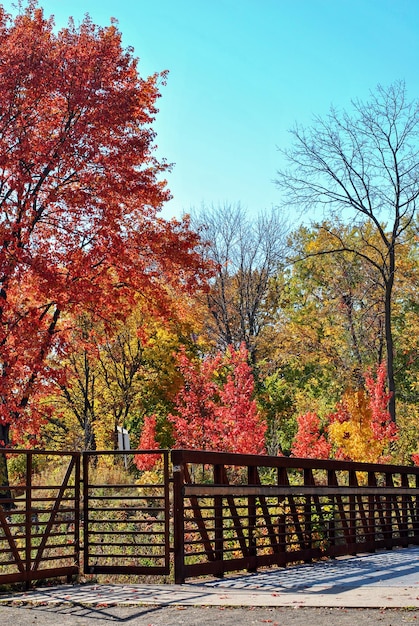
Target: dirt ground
(66,615)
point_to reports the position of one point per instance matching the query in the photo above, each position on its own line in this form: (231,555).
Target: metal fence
(234,512)
(126,521)
(40,523)
(208,513)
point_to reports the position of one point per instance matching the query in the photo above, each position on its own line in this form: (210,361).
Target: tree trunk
(389,338)
(5,493)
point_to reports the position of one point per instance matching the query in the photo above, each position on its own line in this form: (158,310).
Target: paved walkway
(382,580)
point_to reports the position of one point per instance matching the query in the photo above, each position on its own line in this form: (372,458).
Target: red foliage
(381,424)
(237,410)
(147,442)
(367,429)
(79,194)
(309,442)
(216,414)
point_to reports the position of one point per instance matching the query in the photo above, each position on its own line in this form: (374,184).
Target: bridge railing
(234,512)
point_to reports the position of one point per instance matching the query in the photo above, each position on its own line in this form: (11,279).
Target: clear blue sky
(243,71)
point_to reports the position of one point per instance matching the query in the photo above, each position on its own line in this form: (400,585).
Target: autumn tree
(215,409)
(119,373)
(246,254)
(359,429)
(310,442)
(147,441)
(80,192)
(363,164)
(331,313)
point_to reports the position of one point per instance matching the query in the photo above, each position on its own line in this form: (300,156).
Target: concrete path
(382,580)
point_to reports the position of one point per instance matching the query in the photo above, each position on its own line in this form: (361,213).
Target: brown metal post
(218,521)
(251,511)
(178,518)
(353,482)
(28,521)
(167,480)
(86,512)
(404,530)
(308,481)
(371,508)
(331,482)
(416,520)
(77,512)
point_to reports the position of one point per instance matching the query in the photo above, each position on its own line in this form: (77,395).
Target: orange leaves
(310,442)
(80,190)
(147,442)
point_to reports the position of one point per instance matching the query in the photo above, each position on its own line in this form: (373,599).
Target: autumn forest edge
(217,331)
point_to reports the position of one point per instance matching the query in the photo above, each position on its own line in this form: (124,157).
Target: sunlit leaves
(80,191)
(215,409)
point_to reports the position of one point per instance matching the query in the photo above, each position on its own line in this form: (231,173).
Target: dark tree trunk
(5,493)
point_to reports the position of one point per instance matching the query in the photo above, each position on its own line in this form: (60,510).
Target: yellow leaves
(355,436)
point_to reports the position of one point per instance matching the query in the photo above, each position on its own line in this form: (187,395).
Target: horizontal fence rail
(235,512)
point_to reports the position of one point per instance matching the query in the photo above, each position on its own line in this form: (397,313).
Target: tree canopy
(80,192)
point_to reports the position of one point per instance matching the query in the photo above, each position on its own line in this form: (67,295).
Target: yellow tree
(124,371)
(326,321)
(361,428)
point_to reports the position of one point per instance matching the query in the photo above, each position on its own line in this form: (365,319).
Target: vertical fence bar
(218,522)
(252,518)
(28,520)
(86,564)
(352,510)
(331,481)
(168,481)
(416,505)
(371,508)
(179,518)
(76,513)
(281,521)
(308,526)
(404,531)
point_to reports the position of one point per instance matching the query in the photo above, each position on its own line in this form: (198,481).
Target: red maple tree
(215,409)
(80,192)
(309,441)
(360,429)
(147,442)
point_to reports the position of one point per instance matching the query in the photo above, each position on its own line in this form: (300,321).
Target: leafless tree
(247,253)
(363,164)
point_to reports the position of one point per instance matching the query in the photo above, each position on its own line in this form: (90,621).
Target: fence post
(28,520)
(416,511)
(252,518)
(218,522)
(178,517)
(85,456)
(77,479)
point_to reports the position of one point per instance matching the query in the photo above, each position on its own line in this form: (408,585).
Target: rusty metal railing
(216,513)
(234,512)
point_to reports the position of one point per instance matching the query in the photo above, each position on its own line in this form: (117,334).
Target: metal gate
(39,524)
(125,522)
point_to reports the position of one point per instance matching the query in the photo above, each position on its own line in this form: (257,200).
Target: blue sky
(242,72)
